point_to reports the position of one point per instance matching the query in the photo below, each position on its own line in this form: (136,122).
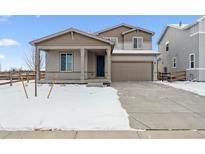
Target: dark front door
(100,66)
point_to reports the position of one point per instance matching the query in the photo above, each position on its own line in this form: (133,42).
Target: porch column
(37,63)
(82,64)
(108,51)
(86,65)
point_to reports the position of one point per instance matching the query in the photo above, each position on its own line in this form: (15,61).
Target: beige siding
(116,33)
(128,44)
(67,40)
(148,58)
(147,40)
(53,65)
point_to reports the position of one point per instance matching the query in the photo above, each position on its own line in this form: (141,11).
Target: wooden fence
(172,76)
(10,77)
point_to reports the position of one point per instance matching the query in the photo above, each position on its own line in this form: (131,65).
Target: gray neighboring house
(119,53)
(182,48)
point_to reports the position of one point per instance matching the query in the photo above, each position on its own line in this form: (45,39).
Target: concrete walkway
(157,134)
(155,106)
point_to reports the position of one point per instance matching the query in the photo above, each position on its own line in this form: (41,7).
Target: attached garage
(134,65)
(132,71)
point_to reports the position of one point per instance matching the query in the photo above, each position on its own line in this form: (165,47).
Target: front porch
(86,66)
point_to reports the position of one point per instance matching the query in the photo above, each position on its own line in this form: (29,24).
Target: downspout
(123,43)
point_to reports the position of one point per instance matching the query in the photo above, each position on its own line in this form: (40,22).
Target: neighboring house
(119,53)
(182,48)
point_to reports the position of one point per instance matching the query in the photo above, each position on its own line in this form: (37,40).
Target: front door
(100,66)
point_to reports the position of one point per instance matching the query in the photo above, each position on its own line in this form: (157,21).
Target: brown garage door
(131,71)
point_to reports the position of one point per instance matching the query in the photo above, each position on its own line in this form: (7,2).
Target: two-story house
(118,53)
(182,48)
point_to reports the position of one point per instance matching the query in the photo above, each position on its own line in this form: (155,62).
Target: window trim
(191,61)
(173,62)
(72,67)
(137,43)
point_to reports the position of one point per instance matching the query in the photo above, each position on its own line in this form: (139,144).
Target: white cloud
(2,56)
(8,42)
(4,18)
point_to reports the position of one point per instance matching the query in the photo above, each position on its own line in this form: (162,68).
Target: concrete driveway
(155,106)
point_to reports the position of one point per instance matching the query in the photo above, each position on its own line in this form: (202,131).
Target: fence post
(27,76)
(10,77)
(19,76)
(35,84)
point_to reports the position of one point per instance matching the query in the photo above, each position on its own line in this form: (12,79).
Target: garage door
(131,71)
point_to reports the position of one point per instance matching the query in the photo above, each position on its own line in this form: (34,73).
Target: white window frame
(137,42)
(174,62)
(167,43)
(68,52)
(191,54)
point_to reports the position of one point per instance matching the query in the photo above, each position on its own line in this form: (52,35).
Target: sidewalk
(152,134)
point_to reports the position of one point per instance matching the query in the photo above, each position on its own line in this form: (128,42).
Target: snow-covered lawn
(70,107)
(195,87)
(3,81)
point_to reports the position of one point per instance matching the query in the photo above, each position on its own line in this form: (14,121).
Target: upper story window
(66,62)
(137,42)
(167,46)
(112,39)
(192,60)
(174,62)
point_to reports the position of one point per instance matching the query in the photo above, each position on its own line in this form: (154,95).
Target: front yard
(139,105)
(70,107)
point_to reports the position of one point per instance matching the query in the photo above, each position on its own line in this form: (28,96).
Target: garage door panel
(131,71)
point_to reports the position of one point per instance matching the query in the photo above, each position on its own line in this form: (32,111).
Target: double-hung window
(167,45)
(174,62)
(66,62)
(192,60)
(137,42)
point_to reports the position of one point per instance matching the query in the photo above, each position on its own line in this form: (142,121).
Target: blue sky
(17,31)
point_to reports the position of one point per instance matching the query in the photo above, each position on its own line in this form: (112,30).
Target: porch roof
(34,42)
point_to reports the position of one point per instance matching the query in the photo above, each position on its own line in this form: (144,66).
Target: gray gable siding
(180,46)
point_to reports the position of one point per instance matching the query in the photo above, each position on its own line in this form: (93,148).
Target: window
(66,62)
(192,60)
(137,42)
(174,62)
(167,45)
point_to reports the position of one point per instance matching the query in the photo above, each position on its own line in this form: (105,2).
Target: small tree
(30,60)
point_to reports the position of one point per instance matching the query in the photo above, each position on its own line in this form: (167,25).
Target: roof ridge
(69,30)
(123,24)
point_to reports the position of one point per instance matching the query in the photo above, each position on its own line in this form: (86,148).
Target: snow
(3,81)
(70,107)
(195,87)
(135,52)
